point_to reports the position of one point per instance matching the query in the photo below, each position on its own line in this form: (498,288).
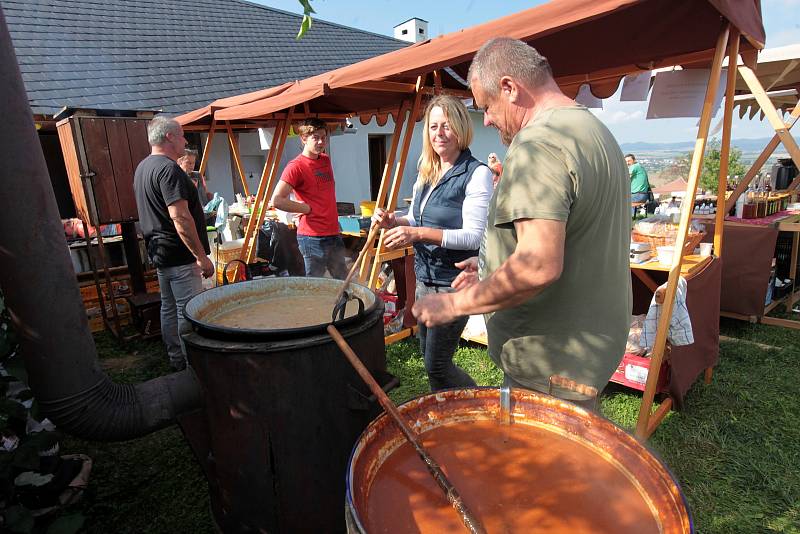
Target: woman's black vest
(435,265)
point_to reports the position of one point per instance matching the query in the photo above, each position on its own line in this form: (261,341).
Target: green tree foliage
(711,162)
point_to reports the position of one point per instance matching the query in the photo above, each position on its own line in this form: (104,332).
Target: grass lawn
(735,448)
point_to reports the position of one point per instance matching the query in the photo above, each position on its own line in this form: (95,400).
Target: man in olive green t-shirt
(554,274)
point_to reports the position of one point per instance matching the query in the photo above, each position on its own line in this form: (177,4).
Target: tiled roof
(175,55)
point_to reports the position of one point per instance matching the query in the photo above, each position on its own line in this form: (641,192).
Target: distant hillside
(745,145)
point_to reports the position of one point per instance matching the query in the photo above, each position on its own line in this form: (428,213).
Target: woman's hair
(430,165)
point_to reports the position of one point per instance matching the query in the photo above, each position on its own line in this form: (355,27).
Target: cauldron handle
(341,305)
(225,271)
(505,405)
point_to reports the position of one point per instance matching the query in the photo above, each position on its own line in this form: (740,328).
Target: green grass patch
(735,448)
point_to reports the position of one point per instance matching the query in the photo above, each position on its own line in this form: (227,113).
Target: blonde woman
(445,223)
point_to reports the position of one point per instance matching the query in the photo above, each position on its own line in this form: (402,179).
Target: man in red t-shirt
(310,177)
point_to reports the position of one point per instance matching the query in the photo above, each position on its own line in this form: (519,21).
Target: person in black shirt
(172,221)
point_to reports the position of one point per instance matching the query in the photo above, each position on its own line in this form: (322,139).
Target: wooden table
(748,250)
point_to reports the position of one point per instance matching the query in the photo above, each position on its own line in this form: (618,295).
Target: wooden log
(207,149)
(259,213)
(380,202)
(725,149)
(760,161)
(771,114)
(237,159)
(261,194)
(643,423)
(398,177)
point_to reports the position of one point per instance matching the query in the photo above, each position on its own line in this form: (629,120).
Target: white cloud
(617,116)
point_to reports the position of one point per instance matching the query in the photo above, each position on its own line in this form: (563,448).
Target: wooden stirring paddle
(447,487)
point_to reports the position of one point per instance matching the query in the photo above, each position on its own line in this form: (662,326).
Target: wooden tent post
(380,202)
(236,158)
(643,424)
(260,209)
(725,149)
(398,177)
(771,113)
(207,149)
(761,160)
(794,117)
(261,193)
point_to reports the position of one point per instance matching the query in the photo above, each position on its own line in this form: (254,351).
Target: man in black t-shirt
(173,225)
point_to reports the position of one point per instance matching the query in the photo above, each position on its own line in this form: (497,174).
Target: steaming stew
(276,313)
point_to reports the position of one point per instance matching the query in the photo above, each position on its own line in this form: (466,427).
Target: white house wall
(349,156)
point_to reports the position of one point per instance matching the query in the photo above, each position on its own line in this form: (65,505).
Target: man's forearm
(188,234)
(518,279)
(290,206)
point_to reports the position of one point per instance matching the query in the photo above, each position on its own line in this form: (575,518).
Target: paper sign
(265,136)
(680,93)
(586,98)
(635,87)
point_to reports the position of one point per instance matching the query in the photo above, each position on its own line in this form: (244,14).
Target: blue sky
(625,119)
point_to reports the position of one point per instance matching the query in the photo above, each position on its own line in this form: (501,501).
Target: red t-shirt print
(313,183)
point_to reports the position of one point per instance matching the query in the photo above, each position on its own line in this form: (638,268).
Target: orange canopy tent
(586,41)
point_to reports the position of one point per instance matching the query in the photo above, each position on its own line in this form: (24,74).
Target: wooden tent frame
(782,134)
(727,40)
(648,420)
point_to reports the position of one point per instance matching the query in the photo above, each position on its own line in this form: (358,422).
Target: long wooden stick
(769,111)
(686,212)
(370,237)
(398,178)
(259,204)
(387,169)
(207,150)
(237,159)
(453,497)
(248,253)
(760,161)
(725,149)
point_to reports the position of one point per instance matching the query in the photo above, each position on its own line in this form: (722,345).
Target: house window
(405,32)
(421,31)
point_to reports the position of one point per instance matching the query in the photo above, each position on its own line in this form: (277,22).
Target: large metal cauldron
(562,490)
(282,408)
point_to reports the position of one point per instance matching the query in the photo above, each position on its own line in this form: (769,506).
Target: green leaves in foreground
(306,24)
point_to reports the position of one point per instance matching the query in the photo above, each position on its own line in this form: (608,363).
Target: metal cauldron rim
(350,504)
(215,331)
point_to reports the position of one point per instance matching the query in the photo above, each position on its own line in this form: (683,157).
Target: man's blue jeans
(178,285)
(638,197)
(438,344)
(320,253)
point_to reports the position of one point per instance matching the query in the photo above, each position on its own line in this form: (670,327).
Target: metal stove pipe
(38,282)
